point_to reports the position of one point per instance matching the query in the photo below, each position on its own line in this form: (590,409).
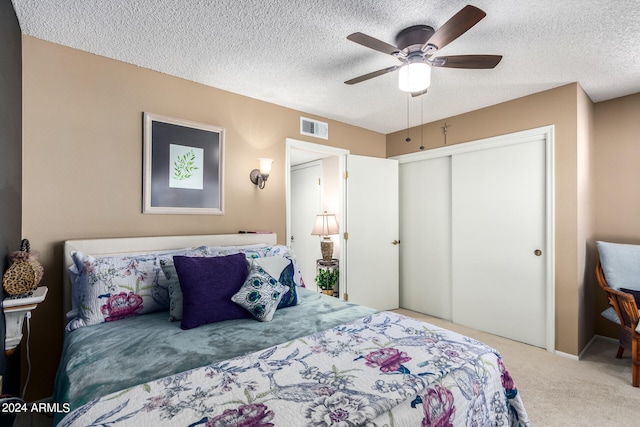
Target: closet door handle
(537,252)
(395,242)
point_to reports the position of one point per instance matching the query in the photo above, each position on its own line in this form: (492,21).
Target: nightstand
(327,276)
(15,310)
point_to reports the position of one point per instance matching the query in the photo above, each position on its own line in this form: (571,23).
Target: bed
(131,356)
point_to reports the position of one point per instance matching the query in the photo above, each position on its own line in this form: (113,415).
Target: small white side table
(15,310)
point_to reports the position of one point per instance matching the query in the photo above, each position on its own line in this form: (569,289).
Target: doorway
(305,162)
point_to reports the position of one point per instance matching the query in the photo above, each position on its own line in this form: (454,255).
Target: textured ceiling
(295,52)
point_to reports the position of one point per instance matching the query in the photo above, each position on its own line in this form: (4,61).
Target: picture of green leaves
(184,166)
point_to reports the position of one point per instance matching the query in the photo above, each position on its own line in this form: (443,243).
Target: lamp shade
(326,225)
(265,165)
(414,77)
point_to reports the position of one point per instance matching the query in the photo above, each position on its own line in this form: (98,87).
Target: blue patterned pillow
(260,294)
(290,298)
(284,251)
(282,267)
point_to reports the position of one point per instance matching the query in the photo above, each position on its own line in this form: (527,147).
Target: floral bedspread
(381,370)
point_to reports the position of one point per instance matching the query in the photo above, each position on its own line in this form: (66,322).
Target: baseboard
(567,355)
(586,347)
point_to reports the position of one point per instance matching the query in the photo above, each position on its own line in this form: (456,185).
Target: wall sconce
(326,225)
(259,176)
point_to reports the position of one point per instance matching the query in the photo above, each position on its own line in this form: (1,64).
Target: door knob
(395,242)
(537,252)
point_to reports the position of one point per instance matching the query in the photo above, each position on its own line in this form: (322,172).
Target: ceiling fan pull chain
(408,139)
(421,123)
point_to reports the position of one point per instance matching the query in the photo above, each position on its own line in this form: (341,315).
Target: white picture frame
(183,165)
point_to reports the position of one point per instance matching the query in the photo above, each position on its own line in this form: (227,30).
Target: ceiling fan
(416,46)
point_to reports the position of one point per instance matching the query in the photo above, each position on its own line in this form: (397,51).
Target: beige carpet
(560,391)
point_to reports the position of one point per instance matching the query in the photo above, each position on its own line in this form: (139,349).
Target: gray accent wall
(10,149)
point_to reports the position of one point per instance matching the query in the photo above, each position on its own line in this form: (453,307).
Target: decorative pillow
(207,284)
(169,278)
(282,268)
(620,264)
(635,293)
(610,314)
(173,284)
(290,298)
(261,293)
(251,251)
(287,252)
(113,287)
(290,276)
(273,265)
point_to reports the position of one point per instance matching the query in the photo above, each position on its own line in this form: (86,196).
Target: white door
(372,225)
(425,233)
(305,205)
(498,227)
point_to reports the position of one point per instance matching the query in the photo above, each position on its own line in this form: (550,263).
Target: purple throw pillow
(207,284)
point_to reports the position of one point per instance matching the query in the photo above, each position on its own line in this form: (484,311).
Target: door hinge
(346,235)
(318,181)
(346,174)
(345,296)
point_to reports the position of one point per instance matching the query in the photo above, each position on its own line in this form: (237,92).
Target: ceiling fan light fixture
(414,77)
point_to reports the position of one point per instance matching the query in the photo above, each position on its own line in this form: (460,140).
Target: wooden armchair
(625,307)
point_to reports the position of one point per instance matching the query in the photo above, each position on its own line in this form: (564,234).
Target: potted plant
(326,280)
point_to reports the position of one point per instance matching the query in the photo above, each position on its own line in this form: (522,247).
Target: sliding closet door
(425,235)
(498,214)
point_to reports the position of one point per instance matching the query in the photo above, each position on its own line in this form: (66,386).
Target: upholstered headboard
(151,244)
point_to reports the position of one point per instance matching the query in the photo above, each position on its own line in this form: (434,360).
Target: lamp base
(326,247)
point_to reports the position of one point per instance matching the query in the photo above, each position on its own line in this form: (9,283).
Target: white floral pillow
(111,288)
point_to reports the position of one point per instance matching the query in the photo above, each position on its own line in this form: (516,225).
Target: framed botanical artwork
(183,166)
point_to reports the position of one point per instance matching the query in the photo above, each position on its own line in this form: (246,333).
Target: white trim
(586,347)
(566,355)
(547,133)
(480,144)
(310,164)
(342,167)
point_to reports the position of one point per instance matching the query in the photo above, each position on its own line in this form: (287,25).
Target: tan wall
(557,107)
(617,181)
(82,164)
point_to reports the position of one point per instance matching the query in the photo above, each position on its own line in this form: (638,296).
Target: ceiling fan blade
(373,43)
(457,25)
(372,75)
(476,62)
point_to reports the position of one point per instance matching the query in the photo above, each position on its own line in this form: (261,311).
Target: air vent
(314,128)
